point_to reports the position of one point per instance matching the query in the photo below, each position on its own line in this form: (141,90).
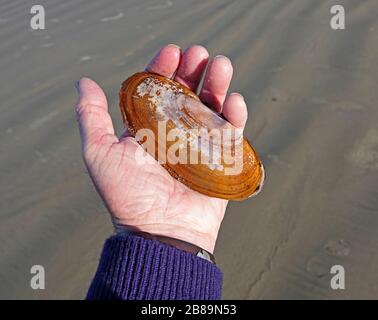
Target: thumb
(94,120)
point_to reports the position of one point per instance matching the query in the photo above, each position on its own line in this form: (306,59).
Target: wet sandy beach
(312,96)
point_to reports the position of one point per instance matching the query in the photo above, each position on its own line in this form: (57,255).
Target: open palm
(145,197)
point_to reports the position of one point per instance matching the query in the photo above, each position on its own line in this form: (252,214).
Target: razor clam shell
(147,99)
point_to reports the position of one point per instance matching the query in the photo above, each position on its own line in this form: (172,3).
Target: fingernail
(238,94)
(220,56)
(173,45)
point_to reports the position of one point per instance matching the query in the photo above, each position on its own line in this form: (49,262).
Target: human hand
(146,198)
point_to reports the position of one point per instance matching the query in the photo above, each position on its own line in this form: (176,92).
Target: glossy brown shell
(139,112)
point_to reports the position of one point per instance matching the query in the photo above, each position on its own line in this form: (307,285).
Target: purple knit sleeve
(135,268)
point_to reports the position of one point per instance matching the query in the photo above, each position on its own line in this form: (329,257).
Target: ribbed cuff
(135,268)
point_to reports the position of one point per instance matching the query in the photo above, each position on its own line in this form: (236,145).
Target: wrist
(202,240)
(178,244)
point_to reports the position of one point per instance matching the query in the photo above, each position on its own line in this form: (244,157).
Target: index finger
(166,61)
